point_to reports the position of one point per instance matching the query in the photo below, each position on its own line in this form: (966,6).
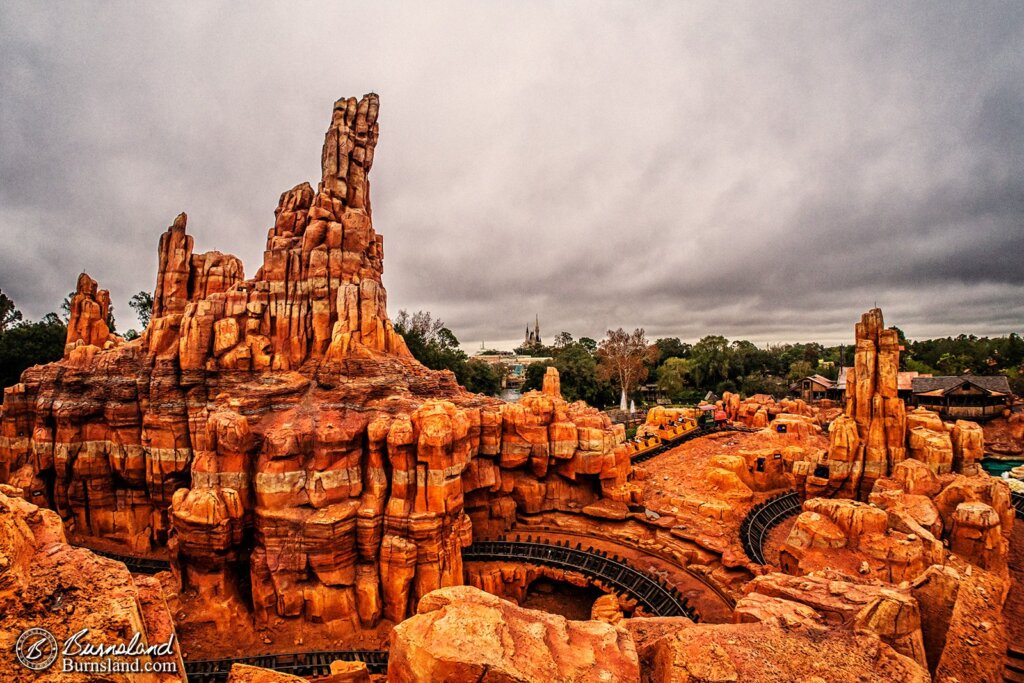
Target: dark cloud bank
(765,171)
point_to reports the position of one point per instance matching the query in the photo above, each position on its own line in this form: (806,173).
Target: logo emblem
(36,649)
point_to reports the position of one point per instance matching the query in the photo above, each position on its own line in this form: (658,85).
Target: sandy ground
(775,540)
(680,473)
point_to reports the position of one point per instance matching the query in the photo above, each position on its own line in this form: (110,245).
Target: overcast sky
(764,171)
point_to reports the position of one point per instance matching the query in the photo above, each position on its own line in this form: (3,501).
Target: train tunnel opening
(561,597)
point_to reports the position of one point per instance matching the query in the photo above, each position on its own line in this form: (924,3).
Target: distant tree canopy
(710,361)
(673,378)
(600,374)
(24,344)
(436,346)
(562,340)
(624,359)
(684,372)
(9,315)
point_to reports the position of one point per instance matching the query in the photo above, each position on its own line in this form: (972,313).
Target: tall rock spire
(318,295)
(870,439)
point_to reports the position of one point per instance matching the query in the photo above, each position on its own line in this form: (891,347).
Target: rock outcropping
(46,583)
(870,438)
(463,634)
(278,428)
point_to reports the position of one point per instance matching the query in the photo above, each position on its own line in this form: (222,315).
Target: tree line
(603,373)
(24,343)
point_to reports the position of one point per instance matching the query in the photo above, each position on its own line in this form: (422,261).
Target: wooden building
(814,388)
(904,384)
(968,397)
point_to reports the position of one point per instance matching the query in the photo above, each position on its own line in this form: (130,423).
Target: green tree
(142,304)
(9,314)
(577,371)
(953,363)
(65,307)
(482,378)
(671,347)
(430,342)
(589,344)
(799,370)
(28,344)
(710,361)
(534,379)
(562,340)
(672,378)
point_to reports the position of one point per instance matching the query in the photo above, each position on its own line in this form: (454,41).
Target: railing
(644,456)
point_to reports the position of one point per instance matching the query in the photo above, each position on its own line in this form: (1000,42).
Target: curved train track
(294,663)
(764,517)
(644,456)
(542,532)
(653,593)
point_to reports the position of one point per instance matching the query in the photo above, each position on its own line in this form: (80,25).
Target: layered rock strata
(89,317)
(870,438)
(463,634)
(46,583)
(275,437)
(910,521)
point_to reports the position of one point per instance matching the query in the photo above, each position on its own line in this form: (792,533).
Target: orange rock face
(87,324)
(46,583)
(911,518)
(277,426)
(875,433)
(870,439)
(463,634)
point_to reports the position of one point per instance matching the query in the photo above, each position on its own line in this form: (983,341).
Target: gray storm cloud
(764,171)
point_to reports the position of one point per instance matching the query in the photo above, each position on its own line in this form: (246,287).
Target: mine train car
(710,418)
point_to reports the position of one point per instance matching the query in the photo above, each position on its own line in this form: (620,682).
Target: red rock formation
(876,433)
(87,325)
(904,528)
(870,438)
(463,634)
(244,673)
(278,427)
(45,583)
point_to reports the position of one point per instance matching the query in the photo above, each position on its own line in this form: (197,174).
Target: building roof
(904,380)
(993,384)
(823,381)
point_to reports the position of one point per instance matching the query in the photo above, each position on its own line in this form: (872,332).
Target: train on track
(658,438)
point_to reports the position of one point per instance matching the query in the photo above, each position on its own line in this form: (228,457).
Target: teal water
(997,467)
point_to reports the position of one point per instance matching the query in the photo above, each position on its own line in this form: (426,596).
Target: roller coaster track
(545,532)
(654,594)
(764,517)
(678,441)
(294,663)
(136,565)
